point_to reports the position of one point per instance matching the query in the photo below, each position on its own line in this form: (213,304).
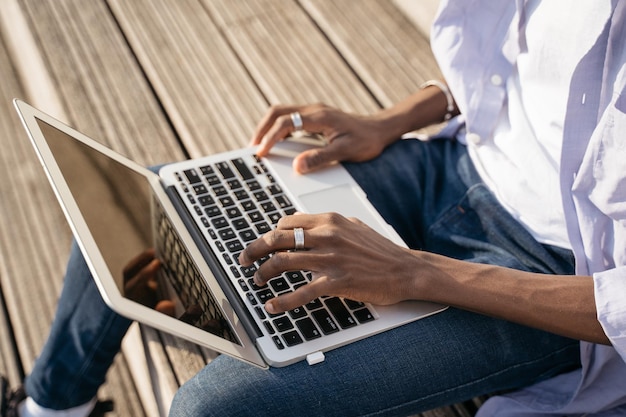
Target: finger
(282,128)
(267,121)
(271,242)
(166,307)
(297,298)
(311,160)
(137,263)
(146,276)
(285,261)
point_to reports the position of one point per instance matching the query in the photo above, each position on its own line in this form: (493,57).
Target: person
(515,215)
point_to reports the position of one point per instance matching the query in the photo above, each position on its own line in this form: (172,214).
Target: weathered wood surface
(161,81)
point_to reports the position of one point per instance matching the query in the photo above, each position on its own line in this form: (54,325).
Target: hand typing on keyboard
(347,258)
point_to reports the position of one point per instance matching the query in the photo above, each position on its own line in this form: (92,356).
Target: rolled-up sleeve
(610,294)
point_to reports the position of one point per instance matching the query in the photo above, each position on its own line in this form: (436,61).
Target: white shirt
(477,42)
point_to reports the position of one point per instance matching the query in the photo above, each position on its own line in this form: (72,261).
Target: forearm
(563,305)
(425,107)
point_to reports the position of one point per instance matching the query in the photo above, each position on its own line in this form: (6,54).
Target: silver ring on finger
(296,119)
(298,237)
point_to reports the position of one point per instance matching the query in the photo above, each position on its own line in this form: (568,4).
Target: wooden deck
(161,81)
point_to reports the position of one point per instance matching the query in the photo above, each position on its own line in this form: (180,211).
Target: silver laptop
(196,216)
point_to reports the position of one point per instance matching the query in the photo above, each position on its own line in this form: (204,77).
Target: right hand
(349,137)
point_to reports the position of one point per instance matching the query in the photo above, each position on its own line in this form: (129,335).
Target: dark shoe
(102,408)
(9,400)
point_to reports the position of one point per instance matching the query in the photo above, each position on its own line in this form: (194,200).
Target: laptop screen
(118,205)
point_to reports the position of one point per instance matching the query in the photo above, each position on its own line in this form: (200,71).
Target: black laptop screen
(122,216)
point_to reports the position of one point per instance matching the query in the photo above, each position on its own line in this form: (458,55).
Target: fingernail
(300,166)
(269,307)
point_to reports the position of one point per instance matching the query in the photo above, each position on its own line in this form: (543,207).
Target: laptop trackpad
(343,199)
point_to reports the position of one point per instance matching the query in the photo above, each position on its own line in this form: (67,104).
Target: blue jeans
(432,195)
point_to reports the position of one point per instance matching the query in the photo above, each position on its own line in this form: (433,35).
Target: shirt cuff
(610,287)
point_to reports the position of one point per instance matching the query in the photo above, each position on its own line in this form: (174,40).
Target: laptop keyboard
(236,201)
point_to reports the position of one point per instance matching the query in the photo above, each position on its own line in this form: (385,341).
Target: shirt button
(496,80)
(473,138)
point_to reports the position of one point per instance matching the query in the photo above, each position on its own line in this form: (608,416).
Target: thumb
(314,159)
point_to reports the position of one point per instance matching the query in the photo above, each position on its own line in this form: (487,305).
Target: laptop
(195,217)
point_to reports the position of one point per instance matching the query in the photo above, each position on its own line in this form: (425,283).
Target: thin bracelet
(446,91)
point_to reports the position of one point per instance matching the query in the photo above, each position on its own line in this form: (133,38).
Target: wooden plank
(385,49)
(35,239)
(288,55)
(211,100)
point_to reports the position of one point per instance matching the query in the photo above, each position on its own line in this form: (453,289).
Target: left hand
(347,258)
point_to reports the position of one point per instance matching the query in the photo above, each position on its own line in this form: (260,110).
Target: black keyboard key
(314,304)
(207,170)
(212,211)
(268,206)
(353,305)
(340,312)
(254,286)
(192,176)
(226,201)
(260,195)
(289,211)
(253,185)
(241,194)
(247,235)
(283,324)
(279,284)
(225,170)
(213,180)
(233,212)
(248,271)
(220,190)
(262,227)
(226,234)
(259,312)
(308,329)
(363,315)
(251,298)
(265,295)
(219,222)
(255,216)
(297,313)
(234,246)
(274,217)
(243,169)
(326,323)
(243,285)
(274,189)
(278,342)
(269,327)
(240,223)
(206,200)
(294,276)
(248,205)
(282,201)
(292,338)
(234,271)
(200,189)
(234,184)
